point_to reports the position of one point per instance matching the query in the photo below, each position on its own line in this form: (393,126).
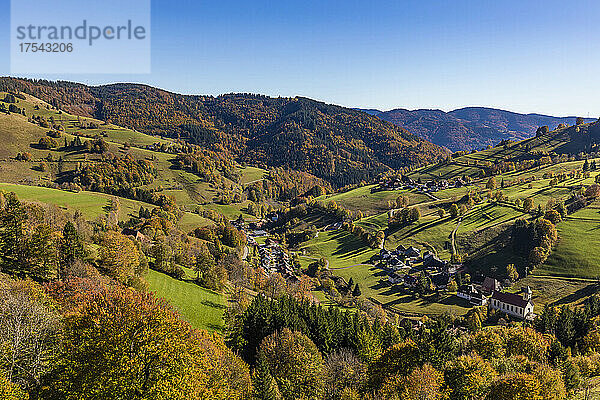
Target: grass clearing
(339,247)
(362,199)
(91,204)
(572,256)
(202,308)
(556,290)
(251,174)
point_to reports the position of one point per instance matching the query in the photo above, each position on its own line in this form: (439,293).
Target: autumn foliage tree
(469,377)
(29,333)
(120,257)
(122,344)
(423,383)
(527,205)
(295,363)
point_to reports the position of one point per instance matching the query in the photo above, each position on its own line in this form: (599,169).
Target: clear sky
(525,56)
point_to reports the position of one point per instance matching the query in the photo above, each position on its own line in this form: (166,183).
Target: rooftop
(510,298)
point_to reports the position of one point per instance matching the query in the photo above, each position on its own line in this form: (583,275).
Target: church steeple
(526,293)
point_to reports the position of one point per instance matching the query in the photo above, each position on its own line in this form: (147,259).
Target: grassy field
(557,290)
(202,308)
(374,284)
(578,251)
(92,204)
(427,233)
(251,174)
(339,247)
(231,211)
(348,258)
(362,199)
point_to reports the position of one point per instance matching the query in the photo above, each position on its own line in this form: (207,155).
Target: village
(406,267)
(406,183)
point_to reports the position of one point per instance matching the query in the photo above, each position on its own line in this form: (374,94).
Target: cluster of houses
(518,305)
(401,258)
(432,186)
(274,259)
(400,263)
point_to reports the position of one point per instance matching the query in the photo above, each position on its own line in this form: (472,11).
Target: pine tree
(71,247)
(356,292)
(12,216)
(265,387)
(571,375)
(41,253)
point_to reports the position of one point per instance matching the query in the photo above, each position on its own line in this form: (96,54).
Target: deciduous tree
(295,363)
(122,344)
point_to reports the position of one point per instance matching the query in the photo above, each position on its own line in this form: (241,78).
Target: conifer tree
(356,292)
(265,386)
(350,283)
(12,216)
(71,247)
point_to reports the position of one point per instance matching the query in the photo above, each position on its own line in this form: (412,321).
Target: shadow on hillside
(215,327)
(212,304)
(416,229)
(578,295)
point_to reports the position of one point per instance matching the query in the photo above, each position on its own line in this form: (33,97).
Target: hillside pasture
(371,202)
(340,248)
(202,308)
(92,204)
(578,251)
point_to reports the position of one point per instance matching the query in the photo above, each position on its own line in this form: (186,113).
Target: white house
(518,305)
(474,296)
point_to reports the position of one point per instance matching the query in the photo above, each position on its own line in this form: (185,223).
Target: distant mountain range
(471,128)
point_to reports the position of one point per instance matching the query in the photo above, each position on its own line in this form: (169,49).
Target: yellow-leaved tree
(122,344)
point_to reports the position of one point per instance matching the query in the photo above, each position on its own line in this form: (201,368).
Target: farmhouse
(490,285)
(412,252)
(431,261)
(517,305)
(474,296)
(137,235)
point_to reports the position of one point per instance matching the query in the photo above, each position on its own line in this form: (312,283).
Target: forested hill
(341,145)
(471,128)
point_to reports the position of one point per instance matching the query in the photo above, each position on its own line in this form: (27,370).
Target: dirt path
(453,235)
(317,259)
(352,266)
(432,197)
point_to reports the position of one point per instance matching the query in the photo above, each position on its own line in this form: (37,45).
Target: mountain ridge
(471,128)
(340,145)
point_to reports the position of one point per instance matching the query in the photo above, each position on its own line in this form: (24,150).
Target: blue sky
(525,56)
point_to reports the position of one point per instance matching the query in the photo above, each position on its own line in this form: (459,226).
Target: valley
(217,230)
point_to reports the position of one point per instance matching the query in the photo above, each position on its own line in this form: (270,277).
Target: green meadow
(202,308)
(92,204)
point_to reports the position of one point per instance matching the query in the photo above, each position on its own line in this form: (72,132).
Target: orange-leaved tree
(122,344)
